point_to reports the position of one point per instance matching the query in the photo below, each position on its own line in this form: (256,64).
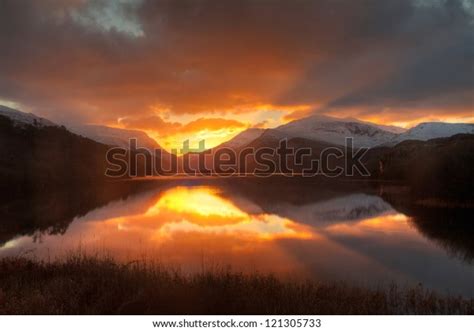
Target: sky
(210,69)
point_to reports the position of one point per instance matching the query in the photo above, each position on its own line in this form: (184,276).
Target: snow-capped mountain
(115,136)
(243,138)
(101,134)
(389,128)
(335,130)
(431,130)
(21,119)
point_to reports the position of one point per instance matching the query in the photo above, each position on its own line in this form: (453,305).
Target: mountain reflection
(333,233)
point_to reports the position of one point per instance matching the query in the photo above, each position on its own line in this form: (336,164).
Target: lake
(352,233)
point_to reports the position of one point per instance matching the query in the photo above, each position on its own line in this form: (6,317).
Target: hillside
(432,130)
(335,130)
(47,155)
(437,167)
(115,136)
(24,119)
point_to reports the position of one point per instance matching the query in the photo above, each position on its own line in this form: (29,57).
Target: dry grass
(89,285)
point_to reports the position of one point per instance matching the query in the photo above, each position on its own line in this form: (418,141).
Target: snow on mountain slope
(115,136)
(389,128)
(431,130)
(335,130)
(102,134)
(243,138)
(21,119)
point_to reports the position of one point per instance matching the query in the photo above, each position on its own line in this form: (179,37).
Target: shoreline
(93,285)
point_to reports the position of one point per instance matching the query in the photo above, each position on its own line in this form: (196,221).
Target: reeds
(93,285)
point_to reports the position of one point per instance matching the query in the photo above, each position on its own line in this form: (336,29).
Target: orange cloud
(211,124)
(157,124)
(152,123)
(296,114)
(261,125)
(63,61)
(172,134)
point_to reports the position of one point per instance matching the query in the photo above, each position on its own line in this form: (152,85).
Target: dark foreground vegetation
(85,285)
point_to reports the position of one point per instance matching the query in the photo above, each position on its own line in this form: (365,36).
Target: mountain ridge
(322,128)
(333,130)
(21,118)
(106,135)
(115,136)
(432,130)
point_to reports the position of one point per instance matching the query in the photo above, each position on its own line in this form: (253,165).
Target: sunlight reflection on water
(353,237)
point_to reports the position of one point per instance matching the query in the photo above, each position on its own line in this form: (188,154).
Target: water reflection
(294,231)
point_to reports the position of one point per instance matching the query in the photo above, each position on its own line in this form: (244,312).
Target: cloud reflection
(347,236)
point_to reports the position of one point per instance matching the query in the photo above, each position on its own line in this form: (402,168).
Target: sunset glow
(217,158)
(184,72)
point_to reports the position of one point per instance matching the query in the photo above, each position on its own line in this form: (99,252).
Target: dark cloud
(103,60)
(437,71)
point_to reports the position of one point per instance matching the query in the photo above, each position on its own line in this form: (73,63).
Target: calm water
(310,232)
